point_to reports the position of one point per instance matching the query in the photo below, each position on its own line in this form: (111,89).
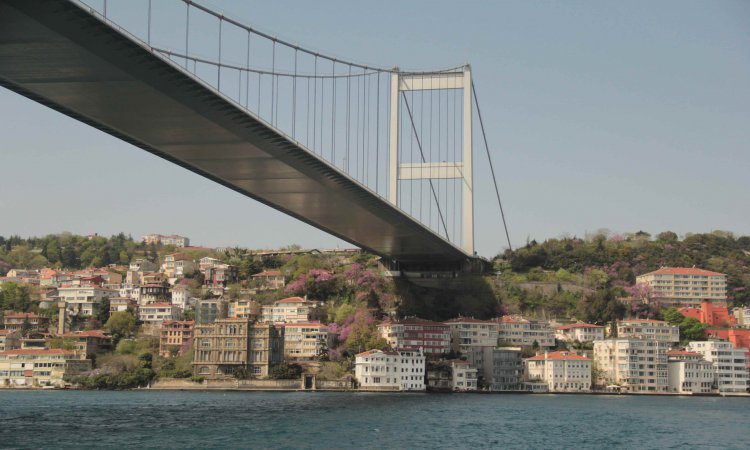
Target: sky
(619,115)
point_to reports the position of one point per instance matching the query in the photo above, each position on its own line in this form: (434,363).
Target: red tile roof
(682,271)
(22,316)
(377,352)
(561,356)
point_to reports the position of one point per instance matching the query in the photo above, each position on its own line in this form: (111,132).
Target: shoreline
(369,391)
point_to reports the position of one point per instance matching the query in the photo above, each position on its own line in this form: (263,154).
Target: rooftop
(579,325)
(683,271)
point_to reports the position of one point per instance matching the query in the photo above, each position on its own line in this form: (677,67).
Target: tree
(601,307)
(691,329)
(285,371)
(323,350)
(102,313)
(120,324)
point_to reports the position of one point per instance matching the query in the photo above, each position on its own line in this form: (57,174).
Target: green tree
(120,324)
(285,371)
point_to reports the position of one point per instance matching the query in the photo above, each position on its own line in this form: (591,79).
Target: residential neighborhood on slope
(207,317)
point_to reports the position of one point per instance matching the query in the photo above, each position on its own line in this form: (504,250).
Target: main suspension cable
(492,169)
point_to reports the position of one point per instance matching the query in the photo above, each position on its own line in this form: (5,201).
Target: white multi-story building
(291,310)
(156,313)
(514,330)
(39,367)
(83,300)
(464,376)
(181,296)
(689,373)
(685,286)
(433,338)
(648,329)
(742,315)
(581,332)
(304,342)
(469,332)
(391,370)
(729,364)
(169,239)
(638,365)
(562,371)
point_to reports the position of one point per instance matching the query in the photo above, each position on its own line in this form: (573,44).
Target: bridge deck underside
(57,54)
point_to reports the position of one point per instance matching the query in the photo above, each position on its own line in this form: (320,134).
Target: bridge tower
(429,170)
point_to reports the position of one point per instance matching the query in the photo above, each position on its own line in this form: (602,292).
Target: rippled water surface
(159,419)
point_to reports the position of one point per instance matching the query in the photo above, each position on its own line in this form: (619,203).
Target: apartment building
(562,371)
(580,331)
(9,340)
(89,343)
(635,364)
(518,331)
(742,316)
(292,310)
(269,280)
(228,345)
(689,373)
(167,239)
(156,313)
(84,300)
(413,333)
(39,367)
(451,375)
(391,370)
(648,329)
(13,321)
(729,364)
(177,265)
(304,341)
(468,332)
(503,369)
(175,337)
(685,286)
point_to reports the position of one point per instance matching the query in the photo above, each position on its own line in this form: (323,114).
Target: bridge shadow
(469,295)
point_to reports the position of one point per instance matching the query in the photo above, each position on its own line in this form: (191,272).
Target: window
(204,370)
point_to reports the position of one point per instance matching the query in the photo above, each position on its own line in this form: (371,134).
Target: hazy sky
(619,115)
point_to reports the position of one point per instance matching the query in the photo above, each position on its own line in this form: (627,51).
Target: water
(164,419)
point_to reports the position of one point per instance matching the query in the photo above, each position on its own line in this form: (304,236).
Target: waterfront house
(402,370)
(689,373)
(39,367)
(562,371)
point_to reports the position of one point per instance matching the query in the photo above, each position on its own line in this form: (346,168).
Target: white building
(39,367)
(562,371)
(391,370)
(742,315)
(514,330)
(303,342)
(648,329)
(469,332)
(82,300)
(464,376)
(689,373)
(685,286)
(291,310)
(729,364)
(181,296)
(637,365)
(156,313)
(581,332)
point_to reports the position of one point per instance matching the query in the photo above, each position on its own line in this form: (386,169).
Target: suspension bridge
(379,157)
